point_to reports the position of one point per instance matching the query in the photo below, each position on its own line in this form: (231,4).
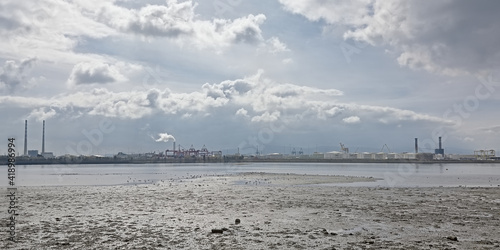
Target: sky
(131,76)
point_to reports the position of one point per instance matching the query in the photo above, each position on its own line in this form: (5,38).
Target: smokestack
(43,137)
(174,149)
(416,145)
(440,143)
(25,137)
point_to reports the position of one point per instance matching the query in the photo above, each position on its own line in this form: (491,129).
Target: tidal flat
(274,211)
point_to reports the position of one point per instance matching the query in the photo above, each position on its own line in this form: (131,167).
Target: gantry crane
(344,149)
(387,147)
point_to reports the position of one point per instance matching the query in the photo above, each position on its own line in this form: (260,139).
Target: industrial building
(191,154)
(440,150)
(34,153)
(180,152)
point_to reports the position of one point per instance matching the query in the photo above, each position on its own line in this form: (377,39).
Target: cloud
(242,112)
(178,22)
(14,75)
(96,72)
(351,120)
(491,130)
(164,137)
(276,46)
(267,117)
(444,37)
(48,29)
(260,98)
(170,20)
(337,11)
(43,113)
(468,139)
(287,61)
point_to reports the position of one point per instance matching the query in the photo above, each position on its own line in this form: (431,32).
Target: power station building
(34,153)
(440,150)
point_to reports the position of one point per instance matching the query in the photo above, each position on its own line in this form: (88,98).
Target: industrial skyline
(250,76)
(179,151)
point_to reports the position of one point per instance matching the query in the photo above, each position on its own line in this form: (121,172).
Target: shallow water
(392,175)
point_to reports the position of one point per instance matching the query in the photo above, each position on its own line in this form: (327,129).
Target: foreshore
(275,211)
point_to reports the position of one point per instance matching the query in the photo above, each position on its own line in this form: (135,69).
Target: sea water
(388,175)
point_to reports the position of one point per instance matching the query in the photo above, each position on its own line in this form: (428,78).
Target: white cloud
(276,46)
(266,117)
(351,120)
(47,29)
(339,11)
(255,96)
(95,72)
(468,139)
(43,113)
(178,21)
(445,37)
(170,20)
(242,112)
(287,61)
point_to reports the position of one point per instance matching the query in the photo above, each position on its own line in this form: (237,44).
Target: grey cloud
(89,73)
(444,37)
(247,35)
(152,97)
(13,74)
(8,23)
(493,129)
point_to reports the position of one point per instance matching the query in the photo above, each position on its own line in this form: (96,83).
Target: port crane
(344,149)
(484,154)
(387,147)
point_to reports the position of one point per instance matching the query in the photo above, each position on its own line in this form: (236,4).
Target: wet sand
(277,211)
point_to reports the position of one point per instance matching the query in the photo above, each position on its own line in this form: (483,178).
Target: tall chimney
(416,145)
(43,137)
(174,149)
(440,143)
(25,137)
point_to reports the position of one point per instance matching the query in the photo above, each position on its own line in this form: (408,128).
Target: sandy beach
(275,211)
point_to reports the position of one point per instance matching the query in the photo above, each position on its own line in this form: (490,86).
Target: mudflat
(274,211)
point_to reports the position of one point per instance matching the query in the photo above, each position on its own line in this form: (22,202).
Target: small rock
(453,238)
(58,219)
(237,221)
(217,231)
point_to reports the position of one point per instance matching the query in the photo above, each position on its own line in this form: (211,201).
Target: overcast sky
(130,76)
